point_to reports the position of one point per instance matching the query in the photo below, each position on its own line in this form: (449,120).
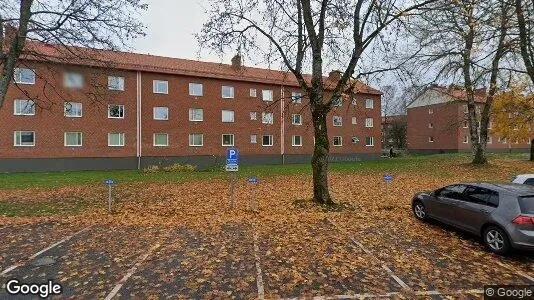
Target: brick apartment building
(437,123)
(132,110)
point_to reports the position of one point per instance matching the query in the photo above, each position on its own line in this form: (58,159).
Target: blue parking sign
(388,178)
(232,156)
(109,181)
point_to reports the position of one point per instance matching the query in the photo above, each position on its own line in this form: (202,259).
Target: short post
(232,190)
(109,182)
(388,178)
(253,203)
(232,166)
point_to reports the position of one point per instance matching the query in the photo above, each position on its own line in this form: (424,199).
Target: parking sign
(232,156)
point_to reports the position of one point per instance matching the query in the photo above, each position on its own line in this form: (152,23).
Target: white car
(524,179)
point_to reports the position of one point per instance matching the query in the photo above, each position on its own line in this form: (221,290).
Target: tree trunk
(532,150)
(479,154)
(319,162)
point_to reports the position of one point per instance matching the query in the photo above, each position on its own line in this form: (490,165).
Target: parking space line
(392,294)
(13,267)
(397,279)
(518,272)
(130,272)
(259,278)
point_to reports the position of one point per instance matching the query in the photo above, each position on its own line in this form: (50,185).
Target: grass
(69,178)
(42,208)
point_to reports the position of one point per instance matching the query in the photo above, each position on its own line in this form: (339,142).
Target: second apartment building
(137,110)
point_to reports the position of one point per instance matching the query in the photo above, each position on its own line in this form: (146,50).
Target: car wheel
(497,240)
(419,210)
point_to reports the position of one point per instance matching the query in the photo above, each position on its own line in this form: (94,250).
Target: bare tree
(93,24)
(307,35)
(524,10)
(466,41)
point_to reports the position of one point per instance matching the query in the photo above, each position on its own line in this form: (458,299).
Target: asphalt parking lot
(330,257)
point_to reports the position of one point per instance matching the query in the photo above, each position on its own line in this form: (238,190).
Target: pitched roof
(460,94)
(167,65)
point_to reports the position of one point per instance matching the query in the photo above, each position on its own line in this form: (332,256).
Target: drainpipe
(139,114)
(282,124)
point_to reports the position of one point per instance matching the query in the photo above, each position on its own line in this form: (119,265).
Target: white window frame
(20,133)
(191,138)
(355,140)
(120,106)
(121,139)
(337,102)
(430,139)
(354,120)
(17,75)
(227,111)
(156,109)
(154,139)
(430,125)
(339,119)
(465,140)
(253,115)
(191,114)
(293,143)
(268,93)
(193,86)
(430,111)
(372,139)
(490,140)
(271,139)
(227,88)
(222,140)
(465,108)
(252,93)
(339,138)
(21,113)
(155,83)
(369,123)
(253,138)
(116,79)
(65,111)
(296,97)
(68,76)
(264,115)
(75,132)
(293,116)
(369,103)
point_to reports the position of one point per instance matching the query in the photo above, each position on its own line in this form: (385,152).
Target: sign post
(232,166)
(253,204)
(109,182)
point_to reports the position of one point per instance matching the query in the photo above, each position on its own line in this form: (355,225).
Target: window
(116,83)
(430,125)
(339,102)
(196,89)
(466,125)
(252,93)
(452,191)
(116,139)
(354,101)
(73,80)
(161,113)
(24,108)
(430,111)
(490,140)
(526,204)
(355,140)
(296,141)
(338,141)
(267,140)
(267,118)
(482,196)
(24,76)
(430,139)
(116,111)
(196,114)
(267,95)
(24,138)
(196,140)
(160,86)
(227,139)
(227,116)
(227,92)
(529,181)
(490,124)
(73,139)
(369,103)
(73,110)
(369,122)
(465,139)
(354,121)
(296,119)
(296,97)
(161,139)
(253,139)
(466,109)
(369,141)
(253,115)
(337,120)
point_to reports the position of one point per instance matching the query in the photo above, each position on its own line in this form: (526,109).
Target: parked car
(501,213)
(524,179)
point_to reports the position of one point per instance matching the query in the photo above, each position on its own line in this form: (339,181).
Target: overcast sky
(171,25)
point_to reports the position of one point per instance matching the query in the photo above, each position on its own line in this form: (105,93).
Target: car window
(452,191)
(482,196)
(529,181)
(527,204)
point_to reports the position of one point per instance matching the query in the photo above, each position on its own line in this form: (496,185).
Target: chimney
(334,75)
(237,61)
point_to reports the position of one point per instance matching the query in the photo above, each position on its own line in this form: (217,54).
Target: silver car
(501,213)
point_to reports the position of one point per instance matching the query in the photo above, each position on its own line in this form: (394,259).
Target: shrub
(180,168)
(151,169)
